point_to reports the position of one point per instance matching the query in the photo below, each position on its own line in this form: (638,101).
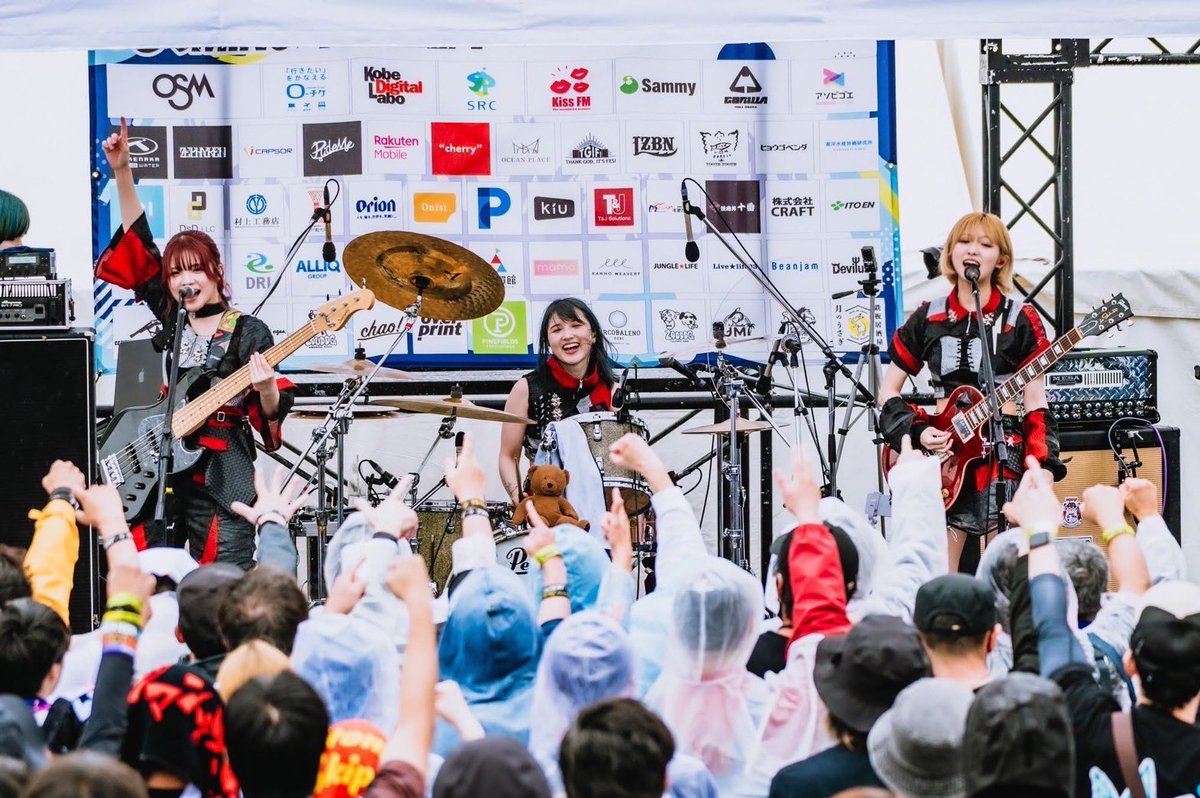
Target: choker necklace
(209,310)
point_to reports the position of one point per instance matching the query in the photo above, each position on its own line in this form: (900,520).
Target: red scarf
(599,392)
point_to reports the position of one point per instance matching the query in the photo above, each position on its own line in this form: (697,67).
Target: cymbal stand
(732,386)
(790,358)
(337,421)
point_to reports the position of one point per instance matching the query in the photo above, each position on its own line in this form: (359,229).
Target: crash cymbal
(450,405)
(356,411)
(722,428)
(710,345)
(356,367)
(455,283)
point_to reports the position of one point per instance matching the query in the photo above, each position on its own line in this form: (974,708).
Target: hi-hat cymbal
(453,406)
(455,283)
(357,367)
(744,425)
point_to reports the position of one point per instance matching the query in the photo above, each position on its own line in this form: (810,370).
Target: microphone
(718,334)
(188,291)
(386,478)
(692,250)
(763,386)
(686,371)
(328,252)
(618,397)
(971,273)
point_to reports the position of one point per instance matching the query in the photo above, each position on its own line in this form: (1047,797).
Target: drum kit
(423,276)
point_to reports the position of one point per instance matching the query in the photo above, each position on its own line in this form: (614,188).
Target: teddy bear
(547,483)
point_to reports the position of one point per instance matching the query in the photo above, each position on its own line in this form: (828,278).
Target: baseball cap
(1167,635)
(199,595)
(955,604)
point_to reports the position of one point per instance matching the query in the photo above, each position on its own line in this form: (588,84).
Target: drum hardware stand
(731,384)
(337,421)
(995,445)
(868,359)
(790,359)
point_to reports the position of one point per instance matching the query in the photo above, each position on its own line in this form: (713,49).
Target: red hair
(198,252)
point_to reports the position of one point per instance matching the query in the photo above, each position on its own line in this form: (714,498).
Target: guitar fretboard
(192,416)
(977,414)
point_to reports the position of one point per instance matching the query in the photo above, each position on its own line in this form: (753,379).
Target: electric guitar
(130,451)
(967,408)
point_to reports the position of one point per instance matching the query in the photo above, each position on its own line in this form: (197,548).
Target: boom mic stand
(996,449)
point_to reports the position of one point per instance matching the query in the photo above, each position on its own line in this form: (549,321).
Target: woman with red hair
(215,338)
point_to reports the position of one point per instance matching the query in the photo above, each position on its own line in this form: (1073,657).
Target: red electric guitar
(967,408)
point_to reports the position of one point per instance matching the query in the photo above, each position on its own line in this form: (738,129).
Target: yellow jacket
(50,560)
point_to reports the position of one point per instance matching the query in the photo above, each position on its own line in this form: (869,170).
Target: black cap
(199,595)
(955,604)
(1166,639)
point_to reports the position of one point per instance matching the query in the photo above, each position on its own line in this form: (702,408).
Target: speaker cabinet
(48,407)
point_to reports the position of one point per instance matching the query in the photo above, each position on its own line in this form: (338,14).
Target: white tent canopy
(115,24)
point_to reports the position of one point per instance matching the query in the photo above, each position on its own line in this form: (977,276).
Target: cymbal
(722,428)
(455,283)
(359,367)
(452,406)
(710,345)
(356,411)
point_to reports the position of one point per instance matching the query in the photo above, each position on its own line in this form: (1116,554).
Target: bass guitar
(131,448)
(967,410)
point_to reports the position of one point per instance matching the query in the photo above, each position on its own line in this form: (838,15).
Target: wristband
(109,542)
(123,616)
(474,511)
(555,591)
(64,494)
(547,552)
(467,504)
(1117,531)
(125,601)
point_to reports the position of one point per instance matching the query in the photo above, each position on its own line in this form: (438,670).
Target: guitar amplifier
(1093,387)
(36,304)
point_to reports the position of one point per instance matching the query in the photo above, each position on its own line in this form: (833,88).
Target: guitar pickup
(111,468)
(961,428)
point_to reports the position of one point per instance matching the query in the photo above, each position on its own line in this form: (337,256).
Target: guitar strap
(222,338)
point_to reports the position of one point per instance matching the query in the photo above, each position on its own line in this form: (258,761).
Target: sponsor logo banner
(495,209)
(384,85)
(670,272)
(849,322)
(333,149)
(461,148)
(508,259)
(738,204)
(793,207)
(726,273)
(719,147)
(200,208)
(590,148)
(834,85)
(504,331)
(267,151)
(311,276)
(570,87)
(852,205)
(256,210)
(147,150)
(252,268)
(395,148)
(486,88)
(624,324)
(184,91)
(850,145)
(203,152)
(153,201)
(374,205)
(556,268)
(554,208)
(663,208)
(679,323)
(437,207)
(655,147)
(742,318)
(845,262)
(654,86)
(785,149)
(615,267)
(525,149)
(745,86)
(307,88)
(614,208)
(796,265)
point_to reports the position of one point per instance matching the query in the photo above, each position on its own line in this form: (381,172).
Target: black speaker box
(48,407)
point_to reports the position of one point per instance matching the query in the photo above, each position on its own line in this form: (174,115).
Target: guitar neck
(192,416)
(1008,390)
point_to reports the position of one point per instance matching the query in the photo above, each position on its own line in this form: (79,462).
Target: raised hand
(1141,497)
(273,497)
(634,452)
(801,493)
(346,592)
(100,506)
(1034,503)
(63,474)
(616,531)
(908,452)
(116,148)
(408,579)
(540,536)
(1104,506)
(393,516)
(465,477)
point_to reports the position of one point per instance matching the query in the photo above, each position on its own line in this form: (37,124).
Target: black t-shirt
(769,654)
(944,335)
(1174,746)
(825,774)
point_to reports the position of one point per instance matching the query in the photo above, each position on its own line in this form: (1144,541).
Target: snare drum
(510,547)
(602,430)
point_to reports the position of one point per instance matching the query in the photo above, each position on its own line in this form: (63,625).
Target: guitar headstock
(1106,316)
(334,314)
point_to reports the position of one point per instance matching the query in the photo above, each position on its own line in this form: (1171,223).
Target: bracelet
(555,591)
(467,504)
(64,494)
(125,601)
(1109,534)
(476,511)
(123,616)
(108,543)
(547,552)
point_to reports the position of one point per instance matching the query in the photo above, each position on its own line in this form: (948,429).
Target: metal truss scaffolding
(1049,133)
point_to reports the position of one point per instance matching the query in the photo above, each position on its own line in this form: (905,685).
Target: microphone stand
(833,364)
(997,448)
(166,440)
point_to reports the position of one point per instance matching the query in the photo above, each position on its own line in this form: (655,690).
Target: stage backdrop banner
(561,168)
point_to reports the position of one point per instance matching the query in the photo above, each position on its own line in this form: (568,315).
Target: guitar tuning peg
(1128,323)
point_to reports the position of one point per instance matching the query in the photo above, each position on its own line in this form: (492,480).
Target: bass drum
(439,525)
(601,430)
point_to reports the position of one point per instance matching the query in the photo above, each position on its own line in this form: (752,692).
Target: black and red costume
(554,395)
(225,473)
(944,336)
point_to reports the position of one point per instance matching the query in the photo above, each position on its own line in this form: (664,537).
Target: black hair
(616,749)
(265,604)
(275,730)
(1167,688)
(847,554)
(33,639)
(570,308)
(13,583)
(953,644)
(200,594)
(89,774)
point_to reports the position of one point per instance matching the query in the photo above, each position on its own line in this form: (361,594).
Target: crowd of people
(883,674)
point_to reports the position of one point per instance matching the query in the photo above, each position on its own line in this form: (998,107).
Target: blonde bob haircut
(248,661)
(991,226)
